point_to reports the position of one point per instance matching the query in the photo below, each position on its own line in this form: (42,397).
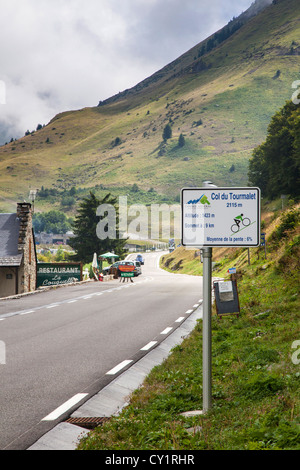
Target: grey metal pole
(206,353)
(207,286)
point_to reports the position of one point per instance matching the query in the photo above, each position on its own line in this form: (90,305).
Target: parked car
(110,269)
(138,269)
(139,258)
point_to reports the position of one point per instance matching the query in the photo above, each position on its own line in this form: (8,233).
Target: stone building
(17,252)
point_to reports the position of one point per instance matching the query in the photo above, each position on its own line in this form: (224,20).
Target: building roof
(9,236)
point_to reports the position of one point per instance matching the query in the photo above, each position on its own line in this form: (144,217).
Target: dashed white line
(119,367)
(65,407)
(189,311)
(26,313)
(180,319)
(196,305)
(52,306)
(166,331)
(72,301)
(148,346)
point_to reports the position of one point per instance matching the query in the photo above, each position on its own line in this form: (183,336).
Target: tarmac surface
(116,395)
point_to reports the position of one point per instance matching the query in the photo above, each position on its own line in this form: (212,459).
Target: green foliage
(275,164)
(116,142)
(288,222)
(181,140)
(86,241)
(167,133)
(51,222)
(260,386)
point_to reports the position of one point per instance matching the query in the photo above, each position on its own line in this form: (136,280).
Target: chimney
(24,213)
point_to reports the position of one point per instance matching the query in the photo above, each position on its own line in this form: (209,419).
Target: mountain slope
(221,98)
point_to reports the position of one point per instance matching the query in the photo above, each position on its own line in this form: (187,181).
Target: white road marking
(118,367)
(148,346)
(65,407)
(196,305)
(189,311)
(180,319)
(85,297)
(166,331)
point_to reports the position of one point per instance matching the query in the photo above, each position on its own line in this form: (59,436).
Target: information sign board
(220,217)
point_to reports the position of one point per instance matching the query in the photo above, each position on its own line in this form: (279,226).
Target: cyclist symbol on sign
(240,219)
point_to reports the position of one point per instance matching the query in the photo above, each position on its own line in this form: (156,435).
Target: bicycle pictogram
(240,219)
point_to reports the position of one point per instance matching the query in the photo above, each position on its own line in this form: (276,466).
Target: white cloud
(68,54)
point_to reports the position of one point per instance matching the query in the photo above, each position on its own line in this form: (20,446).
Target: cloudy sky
(60,55)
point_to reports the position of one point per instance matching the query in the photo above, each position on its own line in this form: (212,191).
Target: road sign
(232,270)
(127,274)
(220,217)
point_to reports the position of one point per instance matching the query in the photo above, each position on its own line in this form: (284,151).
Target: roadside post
(220,217)
(263,243)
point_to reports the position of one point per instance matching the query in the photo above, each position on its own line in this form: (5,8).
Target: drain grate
(89,423)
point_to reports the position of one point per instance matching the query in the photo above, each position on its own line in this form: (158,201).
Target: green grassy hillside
(221,101)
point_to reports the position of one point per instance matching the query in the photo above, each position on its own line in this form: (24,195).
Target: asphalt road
(73,340)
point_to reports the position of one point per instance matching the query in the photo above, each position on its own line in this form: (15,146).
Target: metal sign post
(207,278)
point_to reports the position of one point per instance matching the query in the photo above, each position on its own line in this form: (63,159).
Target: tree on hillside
(167,133)
(51,222)
(86,241)
(181,140)
(275,164)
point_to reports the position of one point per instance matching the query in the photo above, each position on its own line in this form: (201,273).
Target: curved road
(72,340)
